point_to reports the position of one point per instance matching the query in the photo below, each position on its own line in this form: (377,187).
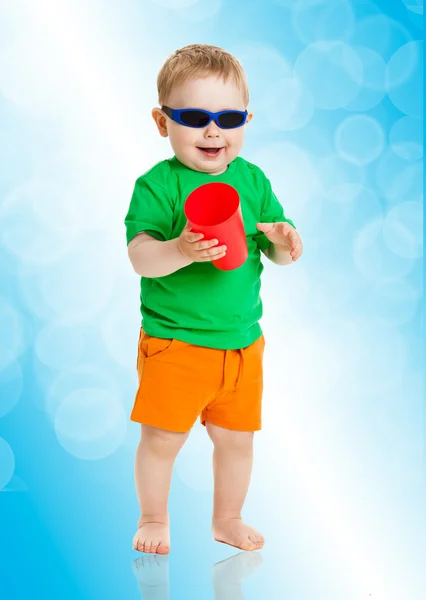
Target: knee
(228,438)
(161,441)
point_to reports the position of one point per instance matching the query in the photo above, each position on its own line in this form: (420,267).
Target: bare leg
(155,457)
(232,466)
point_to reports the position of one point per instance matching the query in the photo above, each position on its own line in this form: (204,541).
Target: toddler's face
(214,95)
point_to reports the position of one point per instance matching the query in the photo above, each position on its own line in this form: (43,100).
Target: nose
(212,130)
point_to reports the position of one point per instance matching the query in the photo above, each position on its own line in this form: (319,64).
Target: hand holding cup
(213,209)
(191,246)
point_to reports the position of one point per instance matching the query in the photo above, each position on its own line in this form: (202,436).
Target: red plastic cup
(214,210)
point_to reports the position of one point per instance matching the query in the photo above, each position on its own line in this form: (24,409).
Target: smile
(211,152)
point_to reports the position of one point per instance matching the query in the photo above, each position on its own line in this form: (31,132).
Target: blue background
(338,486)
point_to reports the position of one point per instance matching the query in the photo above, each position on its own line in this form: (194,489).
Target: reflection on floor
(152,573)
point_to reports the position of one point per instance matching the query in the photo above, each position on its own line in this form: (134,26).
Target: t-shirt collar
(206,177)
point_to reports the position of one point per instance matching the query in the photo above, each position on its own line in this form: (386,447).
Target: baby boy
(201,347)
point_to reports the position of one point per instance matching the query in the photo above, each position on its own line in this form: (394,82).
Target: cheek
(186,137)
(236,137)
(177,134)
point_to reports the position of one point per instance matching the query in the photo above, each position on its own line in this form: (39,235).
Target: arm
(151,247)
(272,213)
(153,258)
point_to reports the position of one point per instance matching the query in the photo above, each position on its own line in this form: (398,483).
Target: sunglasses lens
(195,118)
(231,119)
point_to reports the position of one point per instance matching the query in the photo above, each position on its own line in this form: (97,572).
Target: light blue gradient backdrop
(338,483)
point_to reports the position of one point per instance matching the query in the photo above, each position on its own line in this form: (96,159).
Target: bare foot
(236,533)
(153,538)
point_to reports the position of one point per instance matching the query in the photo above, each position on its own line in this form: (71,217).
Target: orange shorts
(179,381)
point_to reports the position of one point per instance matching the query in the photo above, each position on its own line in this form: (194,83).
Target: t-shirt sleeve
(150,210)
(271,212)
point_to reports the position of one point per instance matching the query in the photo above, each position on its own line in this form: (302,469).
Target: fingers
(211,250)
(297,253)
(194,247)
(197,245)
(295,242)
(205,244)
(191,236)
(293,239)
(212,255)
(265,227)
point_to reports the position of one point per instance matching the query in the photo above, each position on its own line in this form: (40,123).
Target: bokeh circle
(90,423)
(11,386)
(403,229)
(7,463)
(406,138)
(360,139)
(405,77)
(322,20)
(332,71)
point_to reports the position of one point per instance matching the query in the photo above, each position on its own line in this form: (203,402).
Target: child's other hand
(191,247)
(284,236)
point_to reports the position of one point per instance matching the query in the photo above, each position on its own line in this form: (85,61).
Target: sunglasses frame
(175,115)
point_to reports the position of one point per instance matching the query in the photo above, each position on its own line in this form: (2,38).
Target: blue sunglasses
(196,117)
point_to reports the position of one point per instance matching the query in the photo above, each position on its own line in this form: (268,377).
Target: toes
(150,545)
(163,548)
(136,542)
(257,540)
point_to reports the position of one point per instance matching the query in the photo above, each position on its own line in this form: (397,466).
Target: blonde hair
(199,61)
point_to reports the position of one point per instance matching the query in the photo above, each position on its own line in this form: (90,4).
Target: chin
(214,168)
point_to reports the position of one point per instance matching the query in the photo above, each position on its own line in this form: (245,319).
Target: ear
(249,117)
(160,120)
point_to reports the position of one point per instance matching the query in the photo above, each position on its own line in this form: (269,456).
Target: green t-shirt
(201,304)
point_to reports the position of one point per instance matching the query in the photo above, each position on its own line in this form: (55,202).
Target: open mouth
(211,152)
